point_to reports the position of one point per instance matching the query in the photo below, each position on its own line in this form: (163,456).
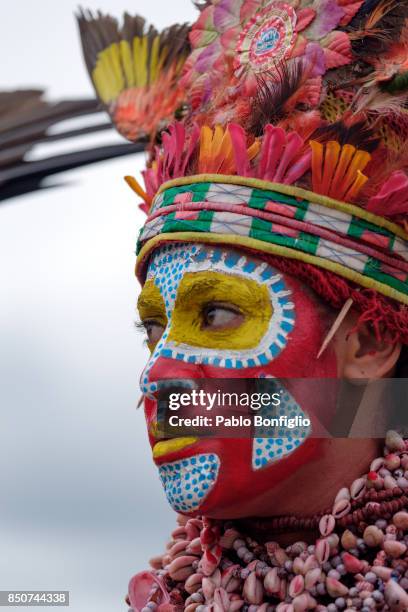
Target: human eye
(218,316)
(153,330)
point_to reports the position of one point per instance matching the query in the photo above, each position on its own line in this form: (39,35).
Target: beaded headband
(282,220)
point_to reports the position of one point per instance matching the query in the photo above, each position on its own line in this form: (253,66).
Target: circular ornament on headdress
(267,38)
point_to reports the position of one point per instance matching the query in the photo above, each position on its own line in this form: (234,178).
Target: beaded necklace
(359,561)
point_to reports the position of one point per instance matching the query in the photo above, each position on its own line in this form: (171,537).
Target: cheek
(150,413)
(240,490)
(298,359)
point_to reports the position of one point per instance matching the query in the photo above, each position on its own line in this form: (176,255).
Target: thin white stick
(339,320)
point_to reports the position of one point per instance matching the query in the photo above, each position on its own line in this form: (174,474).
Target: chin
(219,479)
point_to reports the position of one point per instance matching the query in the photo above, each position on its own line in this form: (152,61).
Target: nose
(164,368)
(160,367)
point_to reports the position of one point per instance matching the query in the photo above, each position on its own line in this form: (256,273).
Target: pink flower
(392,199)
(283,157)
(172,160)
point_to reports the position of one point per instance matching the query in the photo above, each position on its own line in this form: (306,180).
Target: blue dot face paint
(187,483)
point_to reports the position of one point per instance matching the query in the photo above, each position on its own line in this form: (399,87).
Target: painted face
(213,313)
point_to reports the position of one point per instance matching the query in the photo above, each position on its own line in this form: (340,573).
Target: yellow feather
(154,60)
(317,164)
(331,158)
(346,155)
(114,56)
(107,75)
(136,187)
(99,81)
(143,62)
(127,62)
(358,163)
(217,139)
(227,153)
(163,56)
(205,147)
(358,184)
(137,44)
(104,78)
(254,149)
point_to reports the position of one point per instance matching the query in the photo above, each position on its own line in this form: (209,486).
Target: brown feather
(273,92)
(374,100)
(374,31)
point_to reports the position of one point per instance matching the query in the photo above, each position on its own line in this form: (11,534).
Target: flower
(255,37)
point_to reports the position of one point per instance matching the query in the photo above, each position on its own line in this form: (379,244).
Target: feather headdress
(290,116)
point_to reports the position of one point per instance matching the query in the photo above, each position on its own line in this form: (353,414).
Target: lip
(170,447)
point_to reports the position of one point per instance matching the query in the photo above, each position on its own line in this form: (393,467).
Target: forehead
(170,262)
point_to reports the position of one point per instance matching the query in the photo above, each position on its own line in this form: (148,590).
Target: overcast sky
(81,504)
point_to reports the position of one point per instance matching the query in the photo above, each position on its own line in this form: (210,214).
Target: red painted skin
(297,360)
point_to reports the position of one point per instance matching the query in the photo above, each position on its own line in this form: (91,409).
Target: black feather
(385,31)
(366,9)
(359,135)
(398,84)
(273,92)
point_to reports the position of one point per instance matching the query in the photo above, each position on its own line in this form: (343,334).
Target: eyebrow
(194,287)
(144,300)
(200,285)
(150,300)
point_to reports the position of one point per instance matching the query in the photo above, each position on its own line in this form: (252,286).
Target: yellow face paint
(197,290)
(170,446)
(151,307)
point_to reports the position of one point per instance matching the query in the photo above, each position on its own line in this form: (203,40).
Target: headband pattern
(358,244)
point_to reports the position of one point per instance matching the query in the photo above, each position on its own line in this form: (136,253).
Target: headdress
(276,126)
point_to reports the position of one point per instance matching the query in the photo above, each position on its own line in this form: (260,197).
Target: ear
(366,357)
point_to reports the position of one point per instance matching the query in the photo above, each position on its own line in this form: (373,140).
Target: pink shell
(140,587)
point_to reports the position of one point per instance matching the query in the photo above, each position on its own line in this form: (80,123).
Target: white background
(81,506)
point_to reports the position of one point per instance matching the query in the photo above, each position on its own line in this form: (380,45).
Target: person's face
(213,313)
